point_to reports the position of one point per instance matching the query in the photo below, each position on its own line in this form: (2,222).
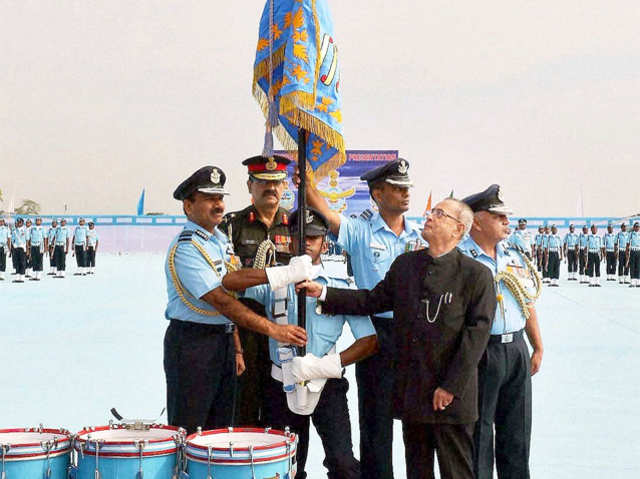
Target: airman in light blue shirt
(323,332)
(5,234)
(92,237)
(197,275)
(571,240)
(19,237)
(80,234)
(609,240)
(509,317)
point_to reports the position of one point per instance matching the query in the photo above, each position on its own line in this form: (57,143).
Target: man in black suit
(442,320)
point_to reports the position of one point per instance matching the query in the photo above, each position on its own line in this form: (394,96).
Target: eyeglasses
(439,213)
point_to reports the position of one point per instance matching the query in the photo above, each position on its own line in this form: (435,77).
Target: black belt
(505,338)
(228,328)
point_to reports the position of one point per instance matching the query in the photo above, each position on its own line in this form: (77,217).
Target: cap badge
(309,217)
(215,176)
(403,167)
(271,164)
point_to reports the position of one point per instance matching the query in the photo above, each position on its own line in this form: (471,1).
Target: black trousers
(80,256)
(251,384)
(582,261)
(52,258)
(199,365)
(453,444)
(611,262)
(593,265)
(375,377)
(3,259)
(60,257)
(634,264)
(623,269)
(539,260)
(331,420)
(36,258)
(572,259)
(14,259)
(91,257)
(20,258)
(553,268)
(504,402)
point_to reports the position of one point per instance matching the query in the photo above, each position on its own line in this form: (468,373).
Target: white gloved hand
(309,367)
(298,269)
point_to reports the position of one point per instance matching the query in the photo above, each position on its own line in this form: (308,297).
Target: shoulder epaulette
(186,235)
(366,214)
(473,252)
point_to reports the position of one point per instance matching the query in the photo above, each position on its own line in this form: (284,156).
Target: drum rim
(291,437)
(90,430)
(61,432)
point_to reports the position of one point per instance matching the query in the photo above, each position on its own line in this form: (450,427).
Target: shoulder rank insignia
(473,252)
(201,235)
(285,219)
(366,214)
(185,236)
(252,216)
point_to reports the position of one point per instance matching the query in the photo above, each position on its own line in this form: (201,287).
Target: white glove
(309,367)
(298,269)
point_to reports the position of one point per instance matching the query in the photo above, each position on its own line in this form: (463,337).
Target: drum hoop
(115,427)
(291,438)
(241,462)
(61,432)
(129,455)
(35,456)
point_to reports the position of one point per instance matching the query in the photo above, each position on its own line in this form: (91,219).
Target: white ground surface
(71,349)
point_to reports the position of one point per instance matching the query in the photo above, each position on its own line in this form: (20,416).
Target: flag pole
(302,217)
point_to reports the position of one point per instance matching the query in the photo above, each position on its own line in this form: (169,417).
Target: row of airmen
(27,244)
(583,252)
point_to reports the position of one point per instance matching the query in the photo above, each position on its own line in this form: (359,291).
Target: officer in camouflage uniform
(262,222)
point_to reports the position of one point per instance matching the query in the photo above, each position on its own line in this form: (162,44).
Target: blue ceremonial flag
(296,80)
(141,204)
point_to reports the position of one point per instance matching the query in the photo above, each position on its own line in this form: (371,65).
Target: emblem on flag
(296,80)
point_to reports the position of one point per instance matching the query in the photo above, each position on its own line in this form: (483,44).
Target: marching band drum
(35,453)
(140,450)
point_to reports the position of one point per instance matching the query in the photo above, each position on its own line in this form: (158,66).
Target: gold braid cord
(266,255)
(182,292)
(519,290)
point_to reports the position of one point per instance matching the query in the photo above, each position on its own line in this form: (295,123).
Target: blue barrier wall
(166,220)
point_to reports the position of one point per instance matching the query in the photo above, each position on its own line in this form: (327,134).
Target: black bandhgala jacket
(443,353)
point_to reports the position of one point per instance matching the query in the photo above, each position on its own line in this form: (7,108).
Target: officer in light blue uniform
(92,247)
(538,252)
(570,246)
(51,243)
(373,242)
(583,239)
(79,242)
(5,246)
(521,238)
(594,257)
(201,345)
(609,244)
(553,254)
(61,248)
(622,238)
(19,244)
(331,415)
(37,237)
(633,255)
(504,380)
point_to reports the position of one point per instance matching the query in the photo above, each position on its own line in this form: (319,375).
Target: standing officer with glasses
(441,318)
(505,370)
(202,353)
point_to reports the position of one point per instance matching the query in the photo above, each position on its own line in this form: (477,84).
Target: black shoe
(17,281)
(77,274)
(33,279)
